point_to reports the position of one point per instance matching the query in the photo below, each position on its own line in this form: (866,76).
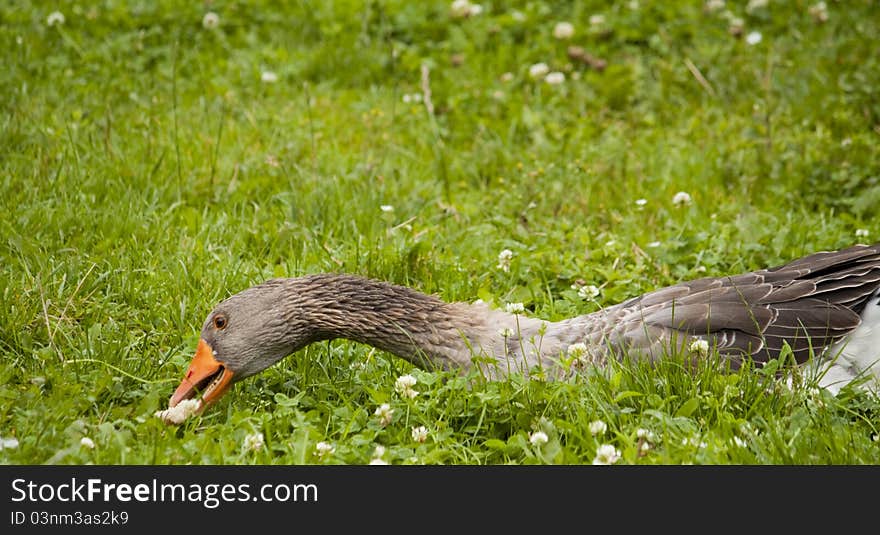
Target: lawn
(156,157)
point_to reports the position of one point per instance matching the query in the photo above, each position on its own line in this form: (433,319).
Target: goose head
(242,336)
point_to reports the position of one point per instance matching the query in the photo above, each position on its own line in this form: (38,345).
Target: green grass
(146,172)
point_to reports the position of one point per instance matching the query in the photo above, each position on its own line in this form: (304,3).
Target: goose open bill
(826,304)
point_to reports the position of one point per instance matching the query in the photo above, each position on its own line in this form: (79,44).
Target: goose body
(825,305)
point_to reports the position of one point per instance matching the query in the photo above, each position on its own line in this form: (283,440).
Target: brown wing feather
(809,304)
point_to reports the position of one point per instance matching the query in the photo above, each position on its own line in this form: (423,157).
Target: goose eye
(220,322)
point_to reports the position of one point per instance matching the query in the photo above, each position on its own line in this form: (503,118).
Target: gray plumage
(814,304)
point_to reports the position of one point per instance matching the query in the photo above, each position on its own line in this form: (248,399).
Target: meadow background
(157,156)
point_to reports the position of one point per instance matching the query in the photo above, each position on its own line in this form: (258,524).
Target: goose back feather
(809,304)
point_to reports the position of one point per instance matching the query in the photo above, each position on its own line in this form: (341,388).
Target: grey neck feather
(426,330)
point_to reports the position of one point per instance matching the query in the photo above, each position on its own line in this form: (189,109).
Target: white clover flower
(504,260)
(460,8)
(55,17)
(386,208)
(211,20)
(846,142)
(641,202)
(377,456)
(563,30)
(598,427)
(322,449)
(405,381)
(409,393)
(633,5)
(819,11)
(714,5)
(514,308)
(755,5)
(588,291)
(606,454)
(646,434)
(539,70)
(554,78)
(463,8)
(693,441)
(753,38)
(8,443)
(507,77)
(681,198)
(576,350)
(268,77)
(253,442)
(736,25)
(597,20)
(404,386)
(699,346)
(180,412)
(86,442)
(506,332)
(862,233)
(420,433)
(384,412)
(538,438)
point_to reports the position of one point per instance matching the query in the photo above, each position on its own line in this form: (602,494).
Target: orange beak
(205,376)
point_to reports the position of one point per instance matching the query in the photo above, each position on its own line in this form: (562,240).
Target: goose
(824,307)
